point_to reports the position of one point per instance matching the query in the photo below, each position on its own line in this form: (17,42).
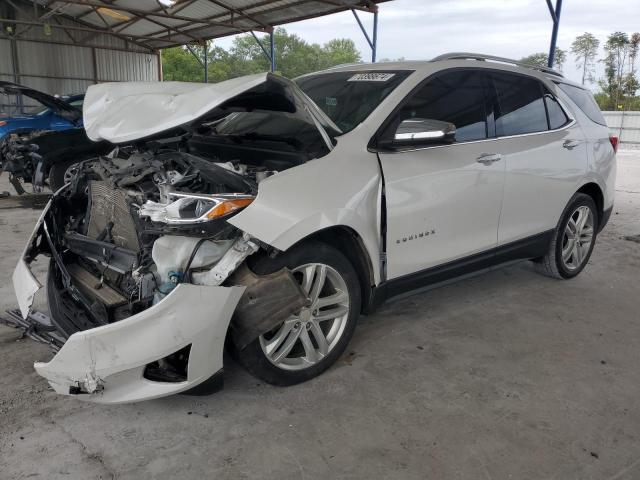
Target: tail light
(614,142)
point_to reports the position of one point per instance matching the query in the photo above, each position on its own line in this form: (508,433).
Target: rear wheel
(574,239)
(308,342)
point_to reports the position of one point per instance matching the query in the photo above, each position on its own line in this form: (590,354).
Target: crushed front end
(140,284)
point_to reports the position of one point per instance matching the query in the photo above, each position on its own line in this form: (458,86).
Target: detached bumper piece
(138,358)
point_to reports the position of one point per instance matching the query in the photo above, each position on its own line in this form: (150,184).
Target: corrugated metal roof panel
(199,17)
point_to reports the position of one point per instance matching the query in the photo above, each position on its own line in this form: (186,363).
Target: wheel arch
(595,192)
(350,243)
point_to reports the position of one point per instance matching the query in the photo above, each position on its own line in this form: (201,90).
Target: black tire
(57,172)
(552,264)
(253,358)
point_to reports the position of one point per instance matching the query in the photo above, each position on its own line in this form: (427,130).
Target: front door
(443,200)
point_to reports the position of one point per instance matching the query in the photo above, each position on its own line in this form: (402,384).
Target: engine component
(107,254)
(94,288)
(110,216)
(172,253)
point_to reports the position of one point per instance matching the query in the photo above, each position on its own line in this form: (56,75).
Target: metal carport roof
(163,23)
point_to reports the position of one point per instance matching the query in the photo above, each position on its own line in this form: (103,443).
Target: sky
(423,29)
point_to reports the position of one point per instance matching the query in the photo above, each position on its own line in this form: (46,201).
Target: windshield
(350,97)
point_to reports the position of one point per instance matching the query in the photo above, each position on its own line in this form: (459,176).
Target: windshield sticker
(330,101)
(371,77)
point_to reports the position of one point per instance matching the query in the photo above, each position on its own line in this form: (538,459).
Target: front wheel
(574,239)
(309,342)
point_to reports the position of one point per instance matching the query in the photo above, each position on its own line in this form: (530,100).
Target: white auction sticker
(371,77)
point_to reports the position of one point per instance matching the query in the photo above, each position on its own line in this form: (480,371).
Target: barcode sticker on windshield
(371,77)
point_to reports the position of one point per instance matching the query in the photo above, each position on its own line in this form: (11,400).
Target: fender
(335,190)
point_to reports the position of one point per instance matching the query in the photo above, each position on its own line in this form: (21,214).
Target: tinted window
(521,105)
(456,97)
(584,100)
(557,117)
(349,97)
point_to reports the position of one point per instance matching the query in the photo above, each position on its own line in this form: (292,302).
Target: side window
(521,107)
(584,100)
(557,117)
(456,97)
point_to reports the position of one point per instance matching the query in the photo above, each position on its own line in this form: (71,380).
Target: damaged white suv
(266,215)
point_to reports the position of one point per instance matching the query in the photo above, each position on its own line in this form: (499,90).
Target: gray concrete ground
(505,375)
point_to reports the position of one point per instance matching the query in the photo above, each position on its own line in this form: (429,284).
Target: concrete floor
(505,375)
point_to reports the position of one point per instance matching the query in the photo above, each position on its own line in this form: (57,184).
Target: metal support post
(555,16)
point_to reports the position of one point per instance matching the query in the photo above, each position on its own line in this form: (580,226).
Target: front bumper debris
(106,364)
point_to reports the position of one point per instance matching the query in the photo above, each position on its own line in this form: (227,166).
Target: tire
(564,259)
(58,171)
(301,333)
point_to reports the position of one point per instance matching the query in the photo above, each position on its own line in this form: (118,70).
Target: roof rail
(482,57)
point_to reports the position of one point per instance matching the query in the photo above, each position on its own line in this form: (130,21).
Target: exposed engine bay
(134,224)
(148,279)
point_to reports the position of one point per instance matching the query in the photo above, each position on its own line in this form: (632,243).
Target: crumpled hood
(127,111)
(57,105)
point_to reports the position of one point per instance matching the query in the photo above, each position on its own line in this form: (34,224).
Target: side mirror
(419,131)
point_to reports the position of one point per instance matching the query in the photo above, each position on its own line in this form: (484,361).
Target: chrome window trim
(571,123)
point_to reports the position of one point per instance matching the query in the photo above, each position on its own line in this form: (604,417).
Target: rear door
(443,200)
(545,155)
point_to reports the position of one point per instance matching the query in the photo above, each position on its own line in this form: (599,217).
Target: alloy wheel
(577,238)
(305,338)
(70,172)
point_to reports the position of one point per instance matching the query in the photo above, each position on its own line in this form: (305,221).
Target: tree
(617,50)
(340,51)
(294,57)
(585,49)
(542,59)
(178,64)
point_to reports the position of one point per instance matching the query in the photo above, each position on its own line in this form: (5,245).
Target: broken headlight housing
(189,208)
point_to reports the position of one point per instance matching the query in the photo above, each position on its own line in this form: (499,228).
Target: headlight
(194,208)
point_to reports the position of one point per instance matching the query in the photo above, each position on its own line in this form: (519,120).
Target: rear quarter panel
(601,159)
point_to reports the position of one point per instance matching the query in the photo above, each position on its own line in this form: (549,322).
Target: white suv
(266,215)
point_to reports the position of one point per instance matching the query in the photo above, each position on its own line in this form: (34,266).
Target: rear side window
(521,106)
(557,117)
(456,97)
(584,100)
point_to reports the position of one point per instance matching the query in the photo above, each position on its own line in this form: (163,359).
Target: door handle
(571,144)
(488,158)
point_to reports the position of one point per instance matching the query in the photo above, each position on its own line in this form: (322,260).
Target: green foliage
(585,49)
(294,57)
(620,82)
(542,59)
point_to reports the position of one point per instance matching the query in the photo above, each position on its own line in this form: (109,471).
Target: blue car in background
(53,114)
(40,144)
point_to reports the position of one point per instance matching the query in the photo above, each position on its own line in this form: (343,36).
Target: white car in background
(266,215)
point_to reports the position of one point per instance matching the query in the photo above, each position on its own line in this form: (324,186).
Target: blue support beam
(272,44)
(271,53)
(206,61)
(372,43)
(555,16)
